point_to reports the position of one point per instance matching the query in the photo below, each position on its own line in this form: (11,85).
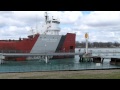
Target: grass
(77,76)
(86,74)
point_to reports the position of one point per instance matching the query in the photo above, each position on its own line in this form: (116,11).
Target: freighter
(48,41)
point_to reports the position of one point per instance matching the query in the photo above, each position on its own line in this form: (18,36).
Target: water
(56,65)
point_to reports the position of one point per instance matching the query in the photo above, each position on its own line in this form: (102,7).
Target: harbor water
(58,64)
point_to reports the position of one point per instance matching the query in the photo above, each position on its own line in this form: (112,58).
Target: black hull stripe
(62,40)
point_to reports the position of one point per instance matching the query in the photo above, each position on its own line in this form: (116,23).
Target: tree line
(98,44)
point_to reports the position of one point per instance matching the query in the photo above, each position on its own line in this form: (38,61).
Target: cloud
(101,25)
(102,18)
(14,32)
(6,13)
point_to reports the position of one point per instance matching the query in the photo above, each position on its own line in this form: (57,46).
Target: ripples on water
(59,64)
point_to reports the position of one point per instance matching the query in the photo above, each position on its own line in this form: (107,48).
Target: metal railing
(105,52)
(27,51)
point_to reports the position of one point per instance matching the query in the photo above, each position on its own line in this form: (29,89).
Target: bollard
(46,59)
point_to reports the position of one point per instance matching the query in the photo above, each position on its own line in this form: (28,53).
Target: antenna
(36,24)
(32,31)
(46,17)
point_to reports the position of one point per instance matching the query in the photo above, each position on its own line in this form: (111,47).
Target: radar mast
(46,17)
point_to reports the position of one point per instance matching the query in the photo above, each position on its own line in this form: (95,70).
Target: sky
(102,26)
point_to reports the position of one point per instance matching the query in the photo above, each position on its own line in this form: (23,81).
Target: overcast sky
(102,26)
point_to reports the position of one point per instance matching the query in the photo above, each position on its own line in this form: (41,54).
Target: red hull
(68,46)
(18,46)
(25,46)
(69,43)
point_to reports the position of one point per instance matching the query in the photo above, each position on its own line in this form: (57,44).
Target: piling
(85,58)
(97,60)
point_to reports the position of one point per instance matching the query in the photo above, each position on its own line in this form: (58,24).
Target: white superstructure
(49,37)
(51,27)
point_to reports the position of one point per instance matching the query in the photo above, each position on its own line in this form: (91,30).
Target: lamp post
(86,37)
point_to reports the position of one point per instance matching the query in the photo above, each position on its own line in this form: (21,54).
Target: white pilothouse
(51,26)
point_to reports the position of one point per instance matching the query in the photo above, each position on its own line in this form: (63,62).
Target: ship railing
(28,51)
(51,51)
(14,51)
(65,51)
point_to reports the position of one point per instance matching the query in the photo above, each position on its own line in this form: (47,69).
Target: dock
(99,58)
(84,57)
(46,55)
